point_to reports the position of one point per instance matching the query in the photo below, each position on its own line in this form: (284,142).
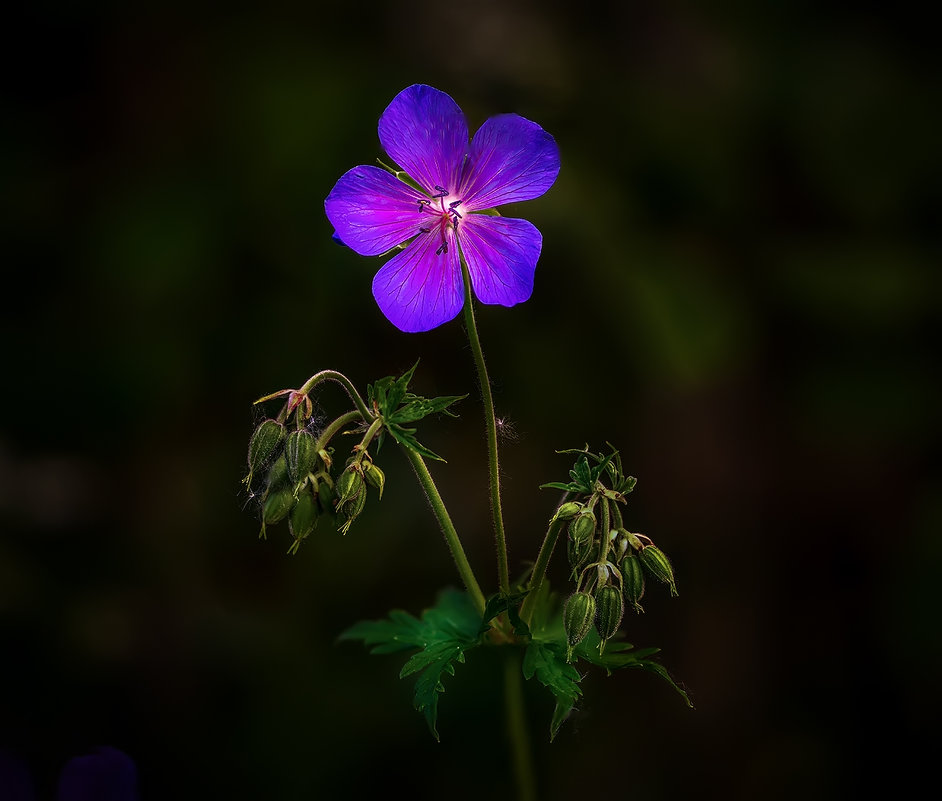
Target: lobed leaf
(443,634)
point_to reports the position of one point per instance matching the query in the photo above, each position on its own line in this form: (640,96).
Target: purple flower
(423,130)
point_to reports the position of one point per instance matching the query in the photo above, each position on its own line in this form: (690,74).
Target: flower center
(443,208)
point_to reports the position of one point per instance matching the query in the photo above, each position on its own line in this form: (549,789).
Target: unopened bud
(579,552)
(325,498)
(582,526)
(567,511)
(375,477)
(349,485)
(301,454)
(303,516)
(658,565)
(609,609)
(632,575)
(263,445)
(578,614)
(350,510)
(276,506)
(277,475)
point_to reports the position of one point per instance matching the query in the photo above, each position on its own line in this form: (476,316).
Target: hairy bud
(303,517)
(375,477)
(263,445)
(578,615)
(657,564)
(567,511)
(609,610)
(582,526)
(632,575)
(301,454)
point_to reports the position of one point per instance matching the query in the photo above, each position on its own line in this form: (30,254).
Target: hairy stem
(490,422)
(539,569)
(517,729)
(448,528)
(346,383)
(328,433)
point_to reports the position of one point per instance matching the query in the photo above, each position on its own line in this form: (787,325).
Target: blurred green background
(738,288)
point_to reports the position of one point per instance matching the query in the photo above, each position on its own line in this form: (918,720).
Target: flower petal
(501,254)
(511,159)
(372,210)
(418,289)
(425,132)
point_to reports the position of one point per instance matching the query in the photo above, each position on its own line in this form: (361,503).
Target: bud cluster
(608,563)
(290,477)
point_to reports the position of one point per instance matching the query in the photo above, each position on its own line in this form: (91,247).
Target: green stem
(448,528)
(339,378)
(490,422)
(606,528)
(371,432)
(539,569)
(328,433)
(517,729)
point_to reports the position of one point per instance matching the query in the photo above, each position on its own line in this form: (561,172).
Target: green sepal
(443,634)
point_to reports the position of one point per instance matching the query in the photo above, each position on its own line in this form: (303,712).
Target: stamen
(442,192)
(423,204)
(442,249)
(425,230)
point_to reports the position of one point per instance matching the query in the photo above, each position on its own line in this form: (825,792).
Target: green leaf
(442,636)
(417,407)
(510,604)
(547,661)
(617,656)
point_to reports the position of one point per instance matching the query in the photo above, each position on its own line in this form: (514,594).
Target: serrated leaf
(443,634)
(547,661)
(406,438)
(417,407)
(617,656)
(560,486)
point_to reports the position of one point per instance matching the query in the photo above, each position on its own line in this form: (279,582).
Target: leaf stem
(490,422)
(448,528)
(517,729)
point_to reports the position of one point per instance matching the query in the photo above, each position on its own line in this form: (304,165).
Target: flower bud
(301,454)
(567,511)
(350,510)
(263,445)
(582,526)
(303,516)
(579,553)
(325,497)
(657,564)
(349,485)
(375,477)
(275,508)
(277,475)
(578,614)
(609,610)
(632,576)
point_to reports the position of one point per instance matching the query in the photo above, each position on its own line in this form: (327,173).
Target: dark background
(738,288)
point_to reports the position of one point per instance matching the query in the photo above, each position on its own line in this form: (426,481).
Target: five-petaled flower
(510,159)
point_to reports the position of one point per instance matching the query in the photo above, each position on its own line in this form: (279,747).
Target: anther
(442,192)
(425,230)
(423,204)
(442,249)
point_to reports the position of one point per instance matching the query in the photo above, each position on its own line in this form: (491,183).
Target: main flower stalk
(490,422)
